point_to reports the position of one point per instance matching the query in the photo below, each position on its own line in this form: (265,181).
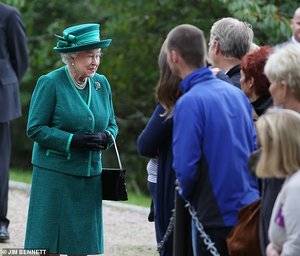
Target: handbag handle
(116,149)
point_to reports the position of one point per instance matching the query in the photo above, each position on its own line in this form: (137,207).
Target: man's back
(13,61)
(213,138)
(13,64)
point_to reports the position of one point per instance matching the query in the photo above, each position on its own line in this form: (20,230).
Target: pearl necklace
(80,86)
(76,84)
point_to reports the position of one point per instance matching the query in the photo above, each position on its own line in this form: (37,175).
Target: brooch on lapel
(97,86)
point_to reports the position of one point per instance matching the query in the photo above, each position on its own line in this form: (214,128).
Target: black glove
(86,141)
(103,139)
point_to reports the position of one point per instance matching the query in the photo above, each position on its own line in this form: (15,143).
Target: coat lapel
(88,104)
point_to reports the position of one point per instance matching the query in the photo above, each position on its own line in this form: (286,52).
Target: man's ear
(251,82)
(174,56)
(285,89)
(216,47)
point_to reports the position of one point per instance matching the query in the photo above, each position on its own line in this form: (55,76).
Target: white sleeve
(291,213)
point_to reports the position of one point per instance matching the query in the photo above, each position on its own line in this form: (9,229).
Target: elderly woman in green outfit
(71,120)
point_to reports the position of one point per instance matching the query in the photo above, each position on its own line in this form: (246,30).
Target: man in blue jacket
(213,137)
(13,64)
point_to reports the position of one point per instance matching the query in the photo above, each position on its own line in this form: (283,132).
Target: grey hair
(284,66)
(67,57)
(234,37)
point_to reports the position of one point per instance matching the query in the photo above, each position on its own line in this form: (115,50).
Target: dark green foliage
(270,19)
(138,28)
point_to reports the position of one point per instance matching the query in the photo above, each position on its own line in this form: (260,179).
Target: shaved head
(295,25)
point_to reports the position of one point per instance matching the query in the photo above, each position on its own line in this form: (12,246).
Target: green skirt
(65,213)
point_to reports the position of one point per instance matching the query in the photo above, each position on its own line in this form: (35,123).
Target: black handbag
(114,181)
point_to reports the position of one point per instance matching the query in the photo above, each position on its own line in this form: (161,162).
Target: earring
(72,63)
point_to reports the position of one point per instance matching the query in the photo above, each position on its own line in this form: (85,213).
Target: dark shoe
(4,235)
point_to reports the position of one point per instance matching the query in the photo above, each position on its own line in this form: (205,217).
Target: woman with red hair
(256,85)
(253,80)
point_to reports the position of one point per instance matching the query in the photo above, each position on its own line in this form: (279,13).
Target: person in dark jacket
(213,136)
(256,85)
(13,64)
(230,40)
(156,141)
(254,82)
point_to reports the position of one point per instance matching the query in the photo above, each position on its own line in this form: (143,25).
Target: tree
(138,29)
(270,19)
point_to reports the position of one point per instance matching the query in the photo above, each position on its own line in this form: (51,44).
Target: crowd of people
(217,107)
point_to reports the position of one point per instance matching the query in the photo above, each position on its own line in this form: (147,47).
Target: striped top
(152,170)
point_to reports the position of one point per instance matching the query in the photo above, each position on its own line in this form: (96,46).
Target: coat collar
(197,76)
(234,70)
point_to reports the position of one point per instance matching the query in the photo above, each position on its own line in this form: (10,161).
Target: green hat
(80,38)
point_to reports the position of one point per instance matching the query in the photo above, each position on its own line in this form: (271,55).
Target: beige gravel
(126,229)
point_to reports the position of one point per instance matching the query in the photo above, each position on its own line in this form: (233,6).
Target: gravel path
(126,229)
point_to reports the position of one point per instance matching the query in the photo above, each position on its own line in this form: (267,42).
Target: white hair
(233,36)
(67,57)
(283,65)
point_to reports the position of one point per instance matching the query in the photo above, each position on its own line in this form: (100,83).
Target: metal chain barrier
(210,246)
(168,232)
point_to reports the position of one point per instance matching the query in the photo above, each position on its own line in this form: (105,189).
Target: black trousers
(218,237)
(182,239)
(270,190)
(5,151)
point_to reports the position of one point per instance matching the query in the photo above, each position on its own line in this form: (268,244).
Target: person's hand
(271,250)
(103,139)
(86,141)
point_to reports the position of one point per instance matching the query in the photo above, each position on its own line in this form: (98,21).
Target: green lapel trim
(87,106)
(69,143)
(90,92)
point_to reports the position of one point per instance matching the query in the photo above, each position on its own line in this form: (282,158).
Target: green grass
(133,198)
(20,175)
(140,200)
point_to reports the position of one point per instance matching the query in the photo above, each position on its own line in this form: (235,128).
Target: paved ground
(126,229)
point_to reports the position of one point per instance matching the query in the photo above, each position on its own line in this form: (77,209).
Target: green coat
(65,211)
